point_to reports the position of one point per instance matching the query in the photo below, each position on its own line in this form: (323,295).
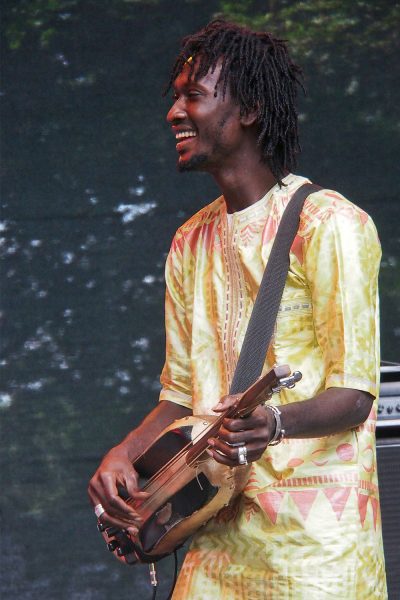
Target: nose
(177,112)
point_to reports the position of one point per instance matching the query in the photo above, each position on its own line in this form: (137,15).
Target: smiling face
(206,127)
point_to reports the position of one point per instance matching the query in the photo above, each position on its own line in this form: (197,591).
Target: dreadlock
(261,77)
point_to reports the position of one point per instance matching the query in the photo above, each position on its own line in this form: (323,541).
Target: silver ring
(242,455)
(99,510)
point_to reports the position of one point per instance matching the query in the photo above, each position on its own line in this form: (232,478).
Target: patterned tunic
(308,523)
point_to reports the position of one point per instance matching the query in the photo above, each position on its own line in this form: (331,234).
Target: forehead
(188,75)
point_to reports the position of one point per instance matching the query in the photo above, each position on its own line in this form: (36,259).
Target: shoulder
(325,204)
(328,210)
(201,222)
(321,205)
(206,215)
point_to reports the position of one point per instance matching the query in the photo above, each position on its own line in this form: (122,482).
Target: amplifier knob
(398,407)
(389,410)
(380,409)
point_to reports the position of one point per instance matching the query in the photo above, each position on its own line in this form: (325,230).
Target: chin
(195,163)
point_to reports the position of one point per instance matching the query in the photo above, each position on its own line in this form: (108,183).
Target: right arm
(116,468)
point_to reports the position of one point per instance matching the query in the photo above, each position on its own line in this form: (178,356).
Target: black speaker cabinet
(388,451)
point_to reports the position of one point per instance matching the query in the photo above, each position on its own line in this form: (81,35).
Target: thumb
(226,402)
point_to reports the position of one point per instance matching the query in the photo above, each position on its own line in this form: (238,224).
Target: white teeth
(185,134)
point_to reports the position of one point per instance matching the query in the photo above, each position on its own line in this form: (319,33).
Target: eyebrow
(188,83)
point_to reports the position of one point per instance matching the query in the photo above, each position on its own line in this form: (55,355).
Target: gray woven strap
(265,310)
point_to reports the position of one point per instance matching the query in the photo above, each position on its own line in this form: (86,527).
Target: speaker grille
(388,452)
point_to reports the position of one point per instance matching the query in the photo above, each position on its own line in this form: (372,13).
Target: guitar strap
(263,317)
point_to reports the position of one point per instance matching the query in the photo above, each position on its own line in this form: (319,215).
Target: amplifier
(389,398)
(388,455)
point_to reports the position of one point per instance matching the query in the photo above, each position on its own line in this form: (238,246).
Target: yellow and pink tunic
(307,525)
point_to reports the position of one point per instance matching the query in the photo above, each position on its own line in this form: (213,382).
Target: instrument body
(186,486)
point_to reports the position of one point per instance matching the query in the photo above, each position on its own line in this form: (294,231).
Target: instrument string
(232,411)
(160,491)
(152,480)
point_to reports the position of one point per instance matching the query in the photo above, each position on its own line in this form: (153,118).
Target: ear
(250,118)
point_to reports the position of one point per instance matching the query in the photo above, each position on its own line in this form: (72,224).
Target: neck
(242,187)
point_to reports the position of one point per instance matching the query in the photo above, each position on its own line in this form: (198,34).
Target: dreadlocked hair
(261,77)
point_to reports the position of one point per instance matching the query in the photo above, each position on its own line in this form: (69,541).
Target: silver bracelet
(279,432)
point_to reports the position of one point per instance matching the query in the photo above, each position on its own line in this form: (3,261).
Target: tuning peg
(113,545)
(125,550)
(110,531)
(287,382)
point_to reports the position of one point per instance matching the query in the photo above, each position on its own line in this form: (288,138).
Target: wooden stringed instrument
(186,486)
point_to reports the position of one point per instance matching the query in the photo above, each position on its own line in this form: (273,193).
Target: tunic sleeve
(342,262)
(175,377)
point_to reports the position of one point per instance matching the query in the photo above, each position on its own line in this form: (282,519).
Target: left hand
(254,431)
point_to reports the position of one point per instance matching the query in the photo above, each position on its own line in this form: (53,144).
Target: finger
(228,451)
(116,507)
(221,458)
(133,531)
(114,504)
(140,495)
(94,497)
(108,492)
(232,437)
(241,424)
(131,517)
(109,521)
(131,484)
(226,402)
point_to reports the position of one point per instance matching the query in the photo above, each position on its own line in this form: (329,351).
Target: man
(307,523)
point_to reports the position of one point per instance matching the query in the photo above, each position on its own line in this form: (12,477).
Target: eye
(193,93)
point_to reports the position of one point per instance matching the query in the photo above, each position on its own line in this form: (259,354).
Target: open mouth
(183,139)
(183,135)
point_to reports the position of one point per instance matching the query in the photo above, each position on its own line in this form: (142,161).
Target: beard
(196,163)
